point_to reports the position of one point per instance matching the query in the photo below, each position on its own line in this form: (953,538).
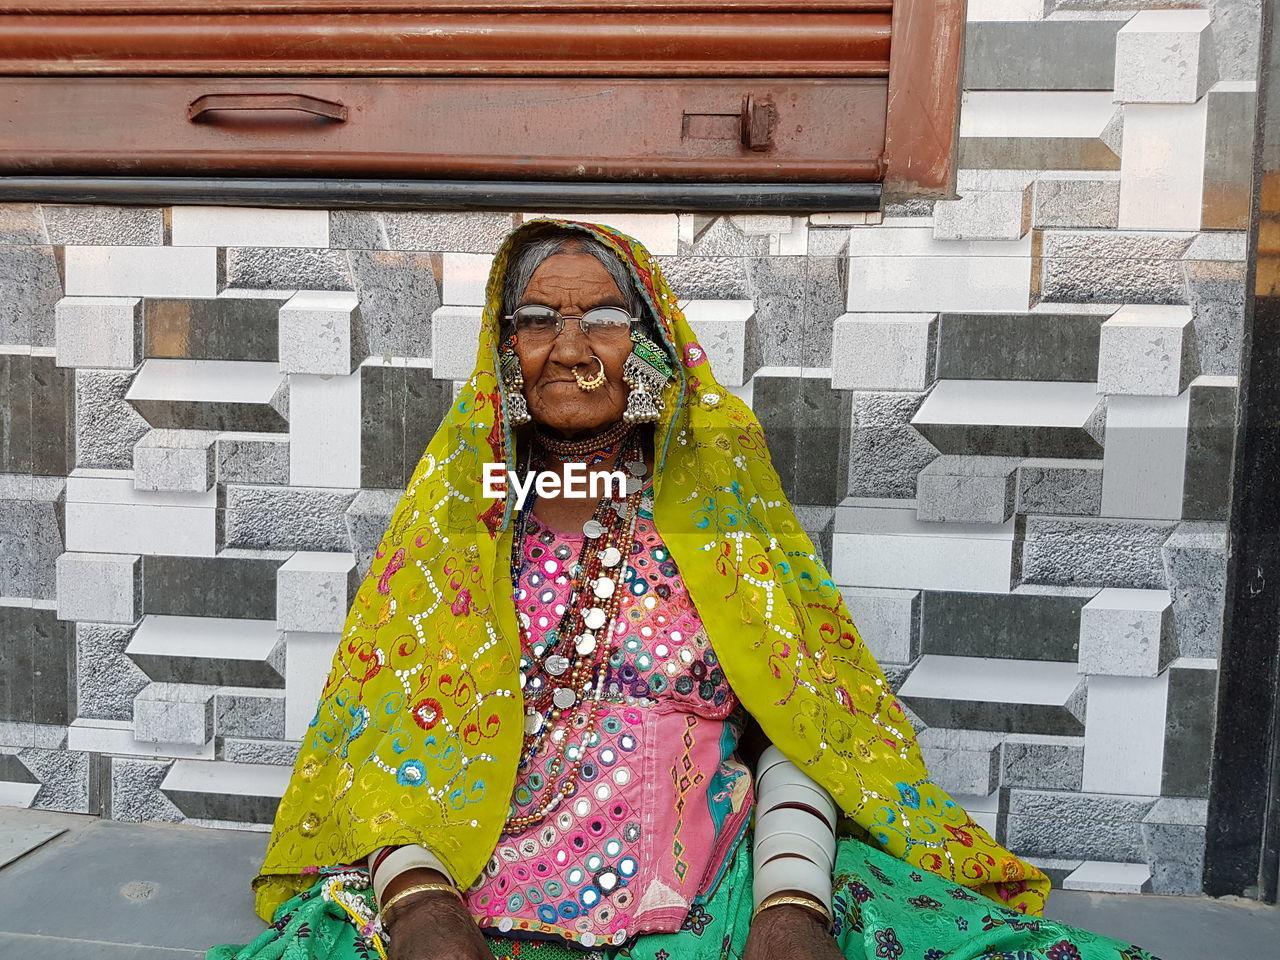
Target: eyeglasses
(538,324)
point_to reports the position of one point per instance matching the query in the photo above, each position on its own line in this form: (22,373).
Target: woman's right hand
(435,925)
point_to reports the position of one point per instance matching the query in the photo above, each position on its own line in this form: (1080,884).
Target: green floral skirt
(885,909)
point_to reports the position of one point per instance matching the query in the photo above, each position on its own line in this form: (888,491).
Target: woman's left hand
(785,932)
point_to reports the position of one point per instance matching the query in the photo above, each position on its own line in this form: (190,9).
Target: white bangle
(402,859)
(792,845)
(816,803)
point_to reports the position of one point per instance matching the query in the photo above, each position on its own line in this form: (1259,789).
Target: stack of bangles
(387,863)
(795,838)
(794,849)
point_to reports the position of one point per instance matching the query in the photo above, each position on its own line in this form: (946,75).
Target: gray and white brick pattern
(1006,418)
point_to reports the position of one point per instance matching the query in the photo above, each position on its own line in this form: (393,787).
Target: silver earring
(646,372)
(517,409)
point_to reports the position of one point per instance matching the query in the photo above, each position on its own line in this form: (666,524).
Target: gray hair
(527,258)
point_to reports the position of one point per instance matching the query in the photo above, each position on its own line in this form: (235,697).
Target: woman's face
(573,283)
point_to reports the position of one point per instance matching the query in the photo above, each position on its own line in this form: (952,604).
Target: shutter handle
(266,101)
(759,117)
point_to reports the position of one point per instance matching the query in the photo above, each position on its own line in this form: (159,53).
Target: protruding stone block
(1019,418)
(209,650)
(197,226)
(1016,626)
(1039,130)
(1146,449)
(235,325)
(226,792)
(1164,56)
(1046,344)
(324,430)
(173,713)
(962,761)
(285,518)
(1147,349)
(726,329)
(307,662)
(1206,484)
(1228,160)
(1173,834)
(93,225)
(1127,633)
(249,712)
(102,587)
(464,278)
(887,620)
(1188,738)
(320,332)
(1111,267)
(1124,734)
(178,460)
(1093,551)
(885,451)
(984,215)
(998,695)
(1195,560)
(313,591)
(1103,876)
(1098,826)
(102,332)
(1049,486)
(141,271)
(967,489)
(210,395)
(657,231)
(883,351)
(1042,762)
(1069,198)
(455,331)
(1036,54)
(252,458)
(1162,171)
(105,514)
(880,543)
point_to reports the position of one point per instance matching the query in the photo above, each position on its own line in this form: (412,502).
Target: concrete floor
(80,888)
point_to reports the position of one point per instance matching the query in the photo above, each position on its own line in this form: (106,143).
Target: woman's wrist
(795,903)
(413,888)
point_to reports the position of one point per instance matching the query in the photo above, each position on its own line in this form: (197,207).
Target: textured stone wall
(1006,419)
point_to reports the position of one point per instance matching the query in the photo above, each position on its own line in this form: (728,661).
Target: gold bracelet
(418,888)
(812,904)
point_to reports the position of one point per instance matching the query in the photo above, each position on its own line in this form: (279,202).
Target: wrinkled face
(573,283)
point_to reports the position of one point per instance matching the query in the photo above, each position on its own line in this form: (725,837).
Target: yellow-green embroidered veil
(418,731)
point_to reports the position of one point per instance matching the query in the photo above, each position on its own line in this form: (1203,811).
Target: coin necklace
(563,680)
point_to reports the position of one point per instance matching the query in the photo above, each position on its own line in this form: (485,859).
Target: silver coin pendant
(594,618)
(564,698)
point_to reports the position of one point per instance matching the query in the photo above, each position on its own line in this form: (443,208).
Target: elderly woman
(637,725)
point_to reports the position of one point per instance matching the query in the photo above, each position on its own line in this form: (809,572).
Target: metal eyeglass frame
(561,318)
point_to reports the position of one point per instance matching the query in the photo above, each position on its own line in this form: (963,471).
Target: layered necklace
(563,674)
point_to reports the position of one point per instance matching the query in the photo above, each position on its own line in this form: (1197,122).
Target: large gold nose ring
(590,383)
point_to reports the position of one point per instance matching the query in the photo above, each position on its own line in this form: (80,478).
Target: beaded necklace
(591,450)
(564,677)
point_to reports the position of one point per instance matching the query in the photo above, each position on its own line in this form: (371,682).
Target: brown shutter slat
(625,45)
(330,7)
(689,129)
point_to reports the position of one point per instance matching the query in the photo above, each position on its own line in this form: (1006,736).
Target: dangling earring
(516,407)
(646,372)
